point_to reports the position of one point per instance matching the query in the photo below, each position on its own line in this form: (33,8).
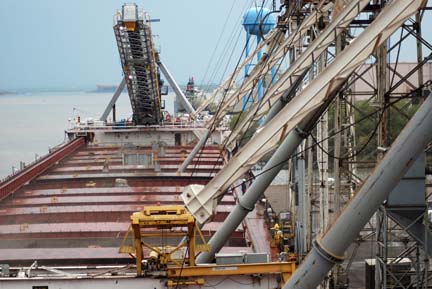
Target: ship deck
(77,210)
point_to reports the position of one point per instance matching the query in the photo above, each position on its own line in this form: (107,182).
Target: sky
(69,44)
(59,44)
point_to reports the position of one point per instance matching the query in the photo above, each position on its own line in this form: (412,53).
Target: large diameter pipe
(252,195)
(330,248)
(247,202)
(194,151)
(286,97)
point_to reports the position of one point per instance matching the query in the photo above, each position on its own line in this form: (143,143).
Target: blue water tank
(253,17)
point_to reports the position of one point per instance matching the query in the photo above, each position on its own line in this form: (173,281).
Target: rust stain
(24,227)
(90,184)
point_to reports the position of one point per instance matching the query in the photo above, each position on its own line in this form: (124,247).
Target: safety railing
(17,180)
(176,124)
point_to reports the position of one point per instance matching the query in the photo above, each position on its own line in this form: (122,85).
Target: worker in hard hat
(274,230)
(278,238)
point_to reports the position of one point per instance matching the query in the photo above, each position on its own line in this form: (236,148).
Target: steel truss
(338,151)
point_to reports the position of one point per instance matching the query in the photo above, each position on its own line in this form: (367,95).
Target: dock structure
(328,103)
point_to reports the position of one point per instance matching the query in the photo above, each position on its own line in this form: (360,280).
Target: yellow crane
(169,222)
(176,222)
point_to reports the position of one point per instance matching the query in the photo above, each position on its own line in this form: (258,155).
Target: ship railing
(37,159)
(111,126)
(19,178)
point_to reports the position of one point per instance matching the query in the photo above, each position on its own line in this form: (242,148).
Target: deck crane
(168,220)
(172,221)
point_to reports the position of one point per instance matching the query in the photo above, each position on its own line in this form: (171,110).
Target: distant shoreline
(4,92)
(26,92)
(106,89)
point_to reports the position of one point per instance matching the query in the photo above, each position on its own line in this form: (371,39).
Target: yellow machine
(170,222)
(176,221)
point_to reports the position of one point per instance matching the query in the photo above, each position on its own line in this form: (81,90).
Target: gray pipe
(330,249)
(274,110)
(247,203)
(195,150)
(286,97)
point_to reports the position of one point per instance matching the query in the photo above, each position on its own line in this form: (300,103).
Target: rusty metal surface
(95,213)
(140,168)
(258,233)
(113,175)
(103,191)
(256,229)
(82,230)
(110,183)
(17,181)
(143,199)
(76,204)
(106,227)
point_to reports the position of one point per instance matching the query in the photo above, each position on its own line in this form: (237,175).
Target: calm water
(31,123)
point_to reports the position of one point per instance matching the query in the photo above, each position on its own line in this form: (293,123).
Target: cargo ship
(66,218)
(182,200)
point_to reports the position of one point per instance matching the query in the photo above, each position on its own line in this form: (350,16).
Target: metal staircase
(138,58)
